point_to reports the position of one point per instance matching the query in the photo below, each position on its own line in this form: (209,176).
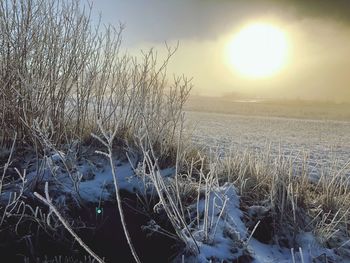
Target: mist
(318,36)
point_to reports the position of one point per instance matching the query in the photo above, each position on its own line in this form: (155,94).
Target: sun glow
(258,50)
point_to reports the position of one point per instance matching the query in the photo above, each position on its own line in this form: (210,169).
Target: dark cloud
(166,20)
(319,67)
(338,10)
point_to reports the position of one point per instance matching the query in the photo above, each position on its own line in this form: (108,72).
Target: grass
(286,189)
(282,186)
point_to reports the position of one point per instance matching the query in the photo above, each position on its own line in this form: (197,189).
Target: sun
(259,50)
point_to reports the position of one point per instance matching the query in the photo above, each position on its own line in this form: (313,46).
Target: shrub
(60,74)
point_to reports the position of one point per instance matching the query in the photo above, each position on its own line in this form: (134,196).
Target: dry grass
(290,196)
(295,201)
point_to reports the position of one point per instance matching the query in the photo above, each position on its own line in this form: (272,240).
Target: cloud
(319,32)
(337,10)
(166,20)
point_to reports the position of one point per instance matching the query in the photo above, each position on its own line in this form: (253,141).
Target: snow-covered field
(326,143)
(323,140)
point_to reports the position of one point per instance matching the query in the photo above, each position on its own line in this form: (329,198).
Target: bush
(59,75)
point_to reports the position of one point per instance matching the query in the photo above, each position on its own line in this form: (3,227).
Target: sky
(317,66)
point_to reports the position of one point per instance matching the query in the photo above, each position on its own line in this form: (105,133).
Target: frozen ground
(323,140)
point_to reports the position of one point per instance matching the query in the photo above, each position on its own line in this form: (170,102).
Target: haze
(318,37)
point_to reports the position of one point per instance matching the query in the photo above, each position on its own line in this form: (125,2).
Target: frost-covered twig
(42,134)
(14,197)
(252,233)
(6,165)
(108,142)
(47,201)
(169,204)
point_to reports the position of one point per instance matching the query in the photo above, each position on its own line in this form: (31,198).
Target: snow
(324,141)
(223,247)
(226,229)
(97,189)
(228,235)
(264,253)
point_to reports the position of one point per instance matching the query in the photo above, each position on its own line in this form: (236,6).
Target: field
(324,141)
(300,109)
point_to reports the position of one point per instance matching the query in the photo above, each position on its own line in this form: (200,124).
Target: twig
(48,202)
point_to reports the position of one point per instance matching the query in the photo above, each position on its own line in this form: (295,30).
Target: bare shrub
(58,70)
(60,75)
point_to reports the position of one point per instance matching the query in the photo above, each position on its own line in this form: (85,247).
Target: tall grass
(295,199)
(281,186)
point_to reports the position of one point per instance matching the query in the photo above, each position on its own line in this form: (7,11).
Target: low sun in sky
(258,50)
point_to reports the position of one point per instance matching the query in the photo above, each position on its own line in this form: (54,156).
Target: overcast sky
(318,32)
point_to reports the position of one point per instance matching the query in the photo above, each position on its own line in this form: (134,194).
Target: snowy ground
(229,237)
(324,141)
